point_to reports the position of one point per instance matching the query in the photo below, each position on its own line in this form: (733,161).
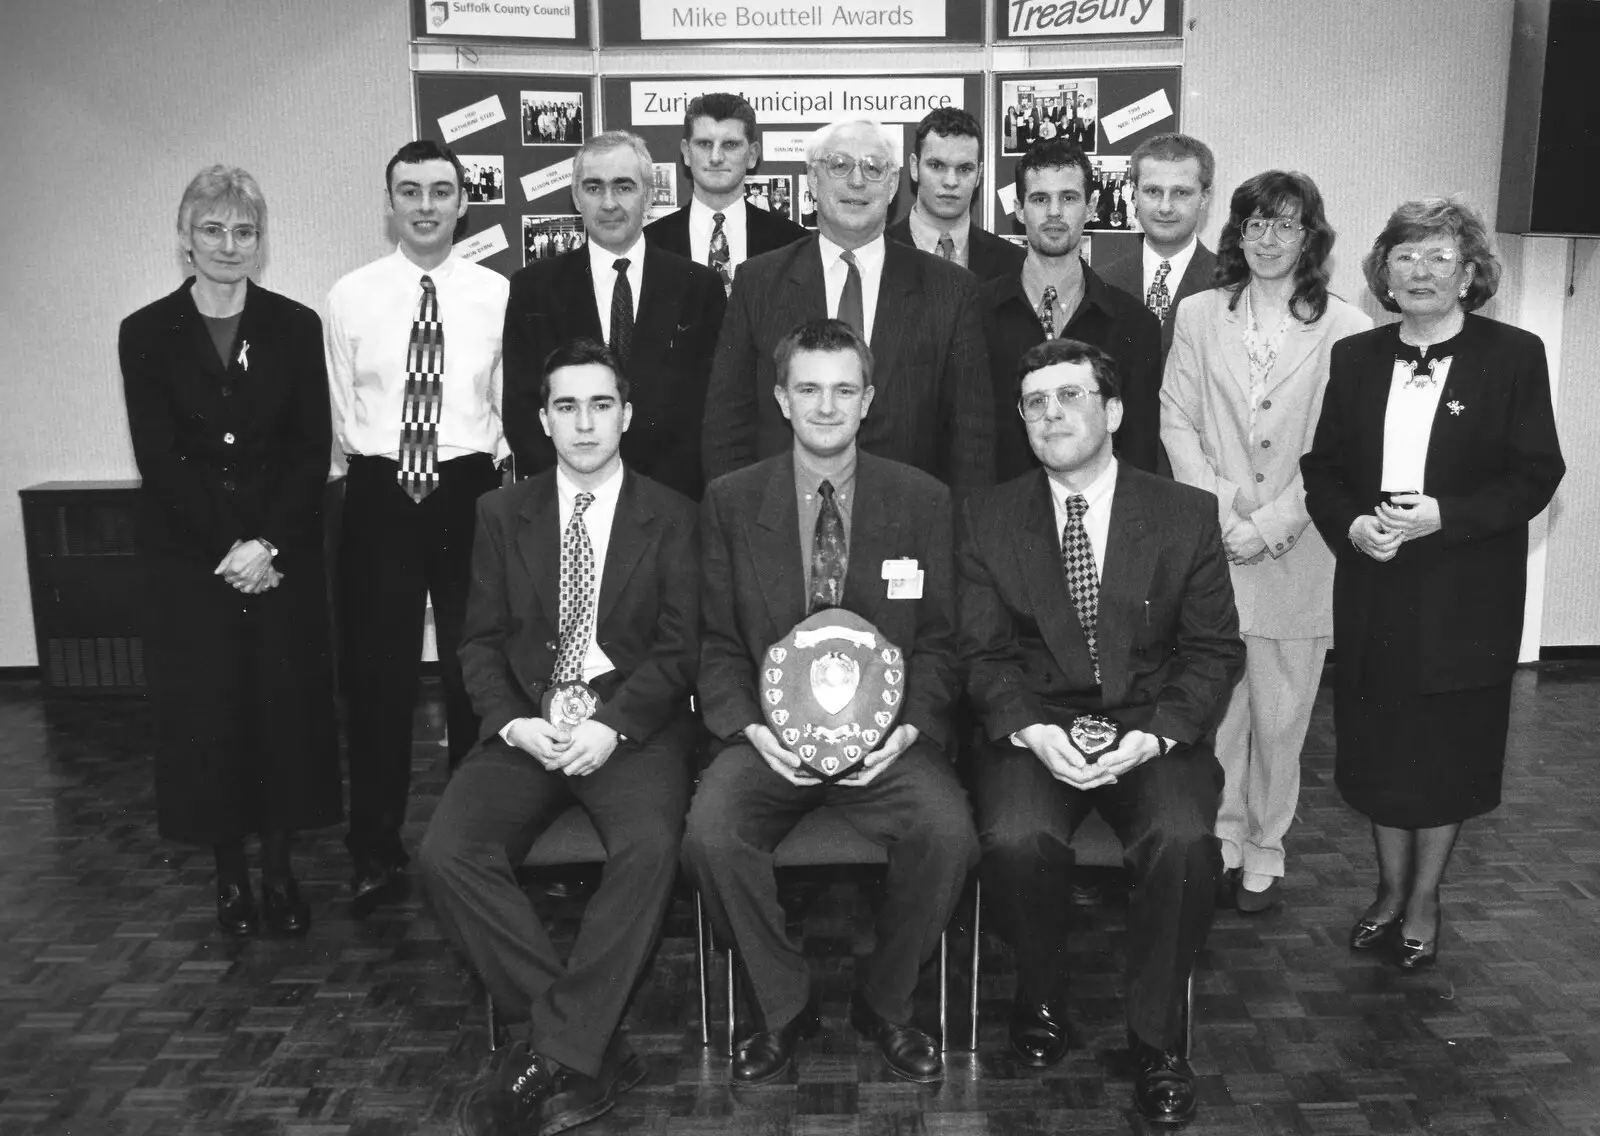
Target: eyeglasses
(212,234)
(1288,231)
(1441,261)
(839,166)
(1036,404)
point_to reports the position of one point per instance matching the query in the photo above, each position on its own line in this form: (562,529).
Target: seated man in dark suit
(782,539)
(718,228)
(1055,294)
(1093,587)
(658,312)
(586,572)
(947,168)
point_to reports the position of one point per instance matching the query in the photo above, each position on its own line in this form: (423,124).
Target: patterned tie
(576,612)
(828,554)
(947,247)
(1047,311)
(1158,299)
(850,298)
(424,395)
(719,258)
(1083,580)
(621,338)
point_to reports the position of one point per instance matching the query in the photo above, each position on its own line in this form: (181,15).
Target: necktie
(621,338)
(1083,579)
(424,394)
(850,298)
(828,554)
(1158,299)
(576,611)
(1047,311)
(947,247)
(718,258)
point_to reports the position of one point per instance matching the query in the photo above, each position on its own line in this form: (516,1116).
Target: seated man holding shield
(579,651)
(1098,622)
(849,709)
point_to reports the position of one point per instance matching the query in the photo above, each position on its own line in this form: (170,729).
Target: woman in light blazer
(1239,403)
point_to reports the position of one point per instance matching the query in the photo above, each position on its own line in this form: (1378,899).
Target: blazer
(1493,464)
(988,256)
(229,451)
(680,311)
(1205,427)
(1125,270)
(647,621)
(932,408)
(753,588)
(1167,635)
(764,231)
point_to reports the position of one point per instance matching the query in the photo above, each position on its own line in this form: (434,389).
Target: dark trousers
(393,554)
(494,808)
(915,809)
(1163,812)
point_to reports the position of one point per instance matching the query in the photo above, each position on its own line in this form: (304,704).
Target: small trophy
(1094,734)
(568,704)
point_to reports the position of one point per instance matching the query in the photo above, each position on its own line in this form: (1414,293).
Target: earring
(188,255)
(1463,293)
(1391,293)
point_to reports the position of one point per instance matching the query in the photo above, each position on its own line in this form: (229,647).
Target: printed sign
(1146,112)
(547,180)
(784,145)
(460,123)
(528,19)
(1083,18)
(661,102)
(483,244)
(784,19)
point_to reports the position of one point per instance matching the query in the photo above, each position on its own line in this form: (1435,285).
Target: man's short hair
(822,336)
(424,150)
(1053,154)
(721,106)
(615,140)
(1053,351)
(948,122)
(1173,148)
(817,144)
(579,353)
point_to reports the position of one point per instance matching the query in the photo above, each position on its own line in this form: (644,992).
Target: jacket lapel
(660,297)
(1298,344)
(899,291)
(874,535)
(1039,555)
(775,548)
(1234,354)
(808,298)
(632,532)
(1464,387)
(194,336)
(1131,545)
(577,288)
(1373,406)
(539,543)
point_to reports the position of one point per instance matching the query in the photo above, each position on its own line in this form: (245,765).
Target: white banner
(661,102)
(547,180)
(784,19)
(460,123)
(1136,116)
(1084,17)
(483,244)
(548,19)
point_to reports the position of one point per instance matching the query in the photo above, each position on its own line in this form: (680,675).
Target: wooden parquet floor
(124,1012)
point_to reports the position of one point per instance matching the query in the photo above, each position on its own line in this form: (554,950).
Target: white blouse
(1414,391)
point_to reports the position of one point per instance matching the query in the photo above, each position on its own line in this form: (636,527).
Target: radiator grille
(82,528)
(107,663)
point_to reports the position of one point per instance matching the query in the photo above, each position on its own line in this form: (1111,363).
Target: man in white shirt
(719,228)
(658,312)
(413,345)
(587,573)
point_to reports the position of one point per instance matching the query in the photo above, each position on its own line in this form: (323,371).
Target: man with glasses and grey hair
(919,313)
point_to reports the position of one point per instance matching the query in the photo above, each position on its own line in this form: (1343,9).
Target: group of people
(1043,119)
(552,121)
(484,184)
(1151,492)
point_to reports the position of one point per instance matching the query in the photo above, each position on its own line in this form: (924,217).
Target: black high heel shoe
(1415,954)
(286,913)
(236,908)
(1372,934)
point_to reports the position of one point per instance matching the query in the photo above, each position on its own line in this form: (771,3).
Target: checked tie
(424,395)
(828,554)
(621,338)
(1047,311)
(719,257)
(576,612)
(1083,579)
(1158,299)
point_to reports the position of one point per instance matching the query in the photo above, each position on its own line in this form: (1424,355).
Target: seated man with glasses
(1094,606)
(918,312)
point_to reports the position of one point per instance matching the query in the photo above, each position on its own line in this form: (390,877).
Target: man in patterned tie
(585,572)
(721,144)
(826,524)
(1092,587)
(1056,294)
(413,346)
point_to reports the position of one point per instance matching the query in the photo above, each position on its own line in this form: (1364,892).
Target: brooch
(1455,407)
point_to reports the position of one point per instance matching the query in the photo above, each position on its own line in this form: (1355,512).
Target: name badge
(906,587)
(899,569)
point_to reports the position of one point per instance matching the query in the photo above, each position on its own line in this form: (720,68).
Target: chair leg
(1188,1018)
(944,991)
(733,1007)
(488,1013)
(701,946)
(977,939)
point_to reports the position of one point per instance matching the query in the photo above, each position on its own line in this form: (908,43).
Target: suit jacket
(1125,269)
(1107,317)
(1206,429)
(674,334)
(1493,464)
(753,584)
(647,621)
(764,231)
(932,409)
(988,256)
(1167,634)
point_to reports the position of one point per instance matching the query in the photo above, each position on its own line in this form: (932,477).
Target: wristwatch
(264,543)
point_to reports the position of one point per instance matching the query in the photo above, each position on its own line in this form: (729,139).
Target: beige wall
(118,104)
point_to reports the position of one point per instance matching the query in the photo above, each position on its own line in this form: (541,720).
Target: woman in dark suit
(1435,447)
(227,400)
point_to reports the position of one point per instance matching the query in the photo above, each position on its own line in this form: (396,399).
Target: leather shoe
(574,1099)
(1228,887)
(766,1055)
(1038,1031)
(236,908)
(1415,954)
(1371,934)
(510,1098)
(1163,1084)
(376,882)
(283,909)
(1248,902)
(912,1055)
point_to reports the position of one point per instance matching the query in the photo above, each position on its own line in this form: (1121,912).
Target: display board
(789,111)
(516,136)
(1035,20)
(687,22)
(502,21)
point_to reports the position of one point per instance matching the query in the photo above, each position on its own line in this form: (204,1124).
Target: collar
(606,493)
(1096,493)
(409,268)
(811,471)
(1179,261)
(927,228)
(600,261)
(702,213)
(869,257)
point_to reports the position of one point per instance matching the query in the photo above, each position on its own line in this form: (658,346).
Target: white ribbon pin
(244,355)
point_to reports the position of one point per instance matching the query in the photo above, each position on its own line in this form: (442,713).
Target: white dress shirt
(1096,519)
(370,313)
(702,224)
(869,262)
(1408,424)
(1179,261)
(602,266)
